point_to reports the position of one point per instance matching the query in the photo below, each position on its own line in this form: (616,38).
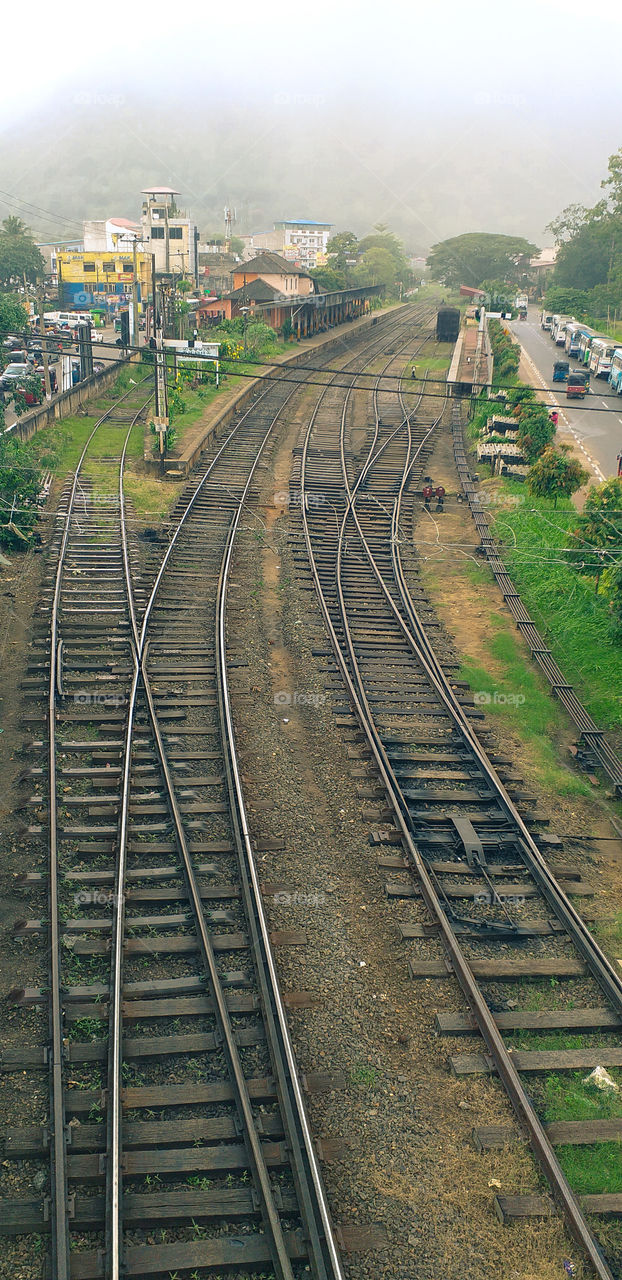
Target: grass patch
(592,1170)
(595,1169)
(510,688)
(150,498)
(563,604)
(567,1097)
(555,1041)
(60,445)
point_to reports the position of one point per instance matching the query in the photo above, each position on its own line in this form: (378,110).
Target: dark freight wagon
(447,324)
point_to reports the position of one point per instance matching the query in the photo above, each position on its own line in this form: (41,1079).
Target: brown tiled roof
(271,264)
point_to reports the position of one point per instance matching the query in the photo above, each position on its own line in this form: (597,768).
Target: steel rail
(324,1259)
(261,1177)
(58,1145)
(485,1020)
(607,757)
(114,1119)
(324,1256)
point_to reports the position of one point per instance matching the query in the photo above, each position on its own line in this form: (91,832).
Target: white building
(110,234)
(299,240)
(169,235)
(304,241)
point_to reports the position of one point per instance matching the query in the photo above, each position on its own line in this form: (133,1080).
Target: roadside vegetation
(587,280)
(566,566)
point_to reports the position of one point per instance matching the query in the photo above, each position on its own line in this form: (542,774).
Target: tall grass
(563,604)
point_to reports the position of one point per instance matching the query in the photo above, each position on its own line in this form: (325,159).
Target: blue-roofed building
(304,241)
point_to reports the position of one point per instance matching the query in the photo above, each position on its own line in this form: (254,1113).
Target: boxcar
(447,324)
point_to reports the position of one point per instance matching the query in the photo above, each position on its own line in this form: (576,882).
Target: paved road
(103,353)
(596,424)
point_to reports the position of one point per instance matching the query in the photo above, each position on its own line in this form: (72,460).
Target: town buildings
(110,234)
(299,240)
(167,233)
(101,280)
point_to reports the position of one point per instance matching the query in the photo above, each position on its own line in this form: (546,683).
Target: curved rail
(348,664)
(58,1152)
(306,1171)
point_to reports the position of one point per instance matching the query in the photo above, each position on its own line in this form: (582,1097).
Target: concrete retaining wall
(63,405)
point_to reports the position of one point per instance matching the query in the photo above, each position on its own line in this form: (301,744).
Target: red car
(31,396)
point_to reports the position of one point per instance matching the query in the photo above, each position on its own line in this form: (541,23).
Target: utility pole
(161,422)
(44,348)
(134,293)
(131,236)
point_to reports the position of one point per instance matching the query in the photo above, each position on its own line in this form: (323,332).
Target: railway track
(176,1131)
(460,834)
(595,745)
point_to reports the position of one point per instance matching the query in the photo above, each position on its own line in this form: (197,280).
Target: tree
(499,295)
(566,301)
(612,585)
(20,483)
(329,278)
(556,475)
(377,266)
(237,246)
(260,338)
(32,386)
(19,256)
(586,259)
(340,247)
(568,222)
(477,256)
(535,430)
(597,537)
(613,184)
(13,316)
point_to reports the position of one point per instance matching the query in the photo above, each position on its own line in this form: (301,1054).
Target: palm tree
(12,226)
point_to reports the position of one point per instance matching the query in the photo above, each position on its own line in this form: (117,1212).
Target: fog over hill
(435,119)
(479,162)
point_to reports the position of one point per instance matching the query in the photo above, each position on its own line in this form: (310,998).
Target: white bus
(558,330)
(615,372)
(601,354)
(70,318)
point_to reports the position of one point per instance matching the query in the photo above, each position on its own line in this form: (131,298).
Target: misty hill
(91,156)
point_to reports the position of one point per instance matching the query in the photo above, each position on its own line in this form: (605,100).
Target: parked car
(31,396)
(53,379)
(13,374)
(12,343)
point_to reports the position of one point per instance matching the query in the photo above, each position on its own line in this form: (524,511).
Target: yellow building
(102,280)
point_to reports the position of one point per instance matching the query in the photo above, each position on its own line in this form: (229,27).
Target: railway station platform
(471,367)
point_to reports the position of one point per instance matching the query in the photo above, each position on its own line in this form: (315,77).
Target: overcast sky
(543,74)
